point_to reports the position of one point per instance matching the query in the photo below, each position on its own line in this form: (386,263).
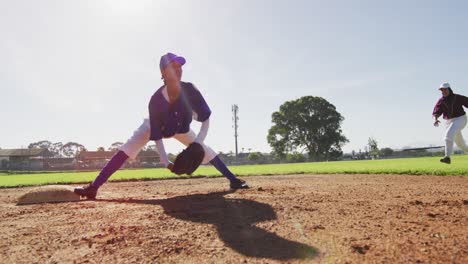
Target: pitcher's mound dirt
(48,194)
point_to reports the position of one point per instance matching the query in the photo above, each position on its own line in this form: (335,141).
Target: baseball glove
(189,159)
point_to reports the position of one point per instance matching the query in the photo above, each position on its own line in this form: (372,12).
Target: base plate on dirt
(49,194)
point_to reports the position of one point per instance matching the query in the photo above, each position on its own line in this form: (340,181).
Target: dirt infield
(294,219)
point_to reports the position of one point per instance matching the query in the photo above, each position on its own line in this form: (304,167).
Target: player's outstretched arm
(464,101)
(436,121)
(162,155)
(203,131)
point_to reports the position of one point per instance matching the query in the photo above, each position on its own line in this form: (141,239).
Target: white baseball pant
(141,136)
(454,133)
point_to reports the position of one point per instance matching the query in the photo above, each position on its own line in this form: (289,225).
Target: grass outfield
(412,166)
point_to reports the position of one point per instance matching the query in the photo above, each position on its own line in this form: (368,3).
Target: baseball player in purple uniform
(171,110)
(450,106)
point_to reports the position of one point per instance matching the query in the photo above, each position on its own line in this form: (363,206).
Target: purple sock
(114,164)
(221,167)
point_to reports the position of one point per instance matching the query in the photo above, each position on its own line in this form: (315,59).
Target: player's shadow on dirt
(235,221)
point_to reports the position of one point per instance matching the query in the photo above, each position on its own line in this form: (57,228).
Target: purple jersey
(167,119)
(450,106)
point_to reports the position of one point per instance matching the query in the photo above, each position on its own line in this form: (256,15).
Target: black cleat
(238,184)
(87,191)
(445,160)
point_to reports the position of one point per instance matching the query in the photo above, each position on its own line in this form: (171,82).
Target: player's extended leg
(129,150)
(454,126)
(448,145)
(460,141)
(458,138)
(211,157)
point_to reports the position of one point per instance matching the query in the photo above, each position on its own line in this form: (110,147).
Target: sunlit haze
(84,71)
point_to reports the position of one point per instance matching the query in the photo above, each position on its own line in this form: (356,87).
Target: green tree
(373,148)
(255,157)
(56,149)
(295,157)
(72,149)
(309,124)
(53,148)
(46,144)
(115,146)
(386,152)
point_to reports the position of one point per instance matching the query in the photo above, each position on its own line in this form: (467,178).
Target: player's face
(173,72)
(445,92)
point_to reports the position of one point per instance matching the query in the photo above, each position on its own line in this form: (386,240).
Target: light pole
(235,118)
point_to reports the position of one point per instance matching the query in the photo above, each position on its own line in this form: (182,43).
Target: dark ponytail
(450,91)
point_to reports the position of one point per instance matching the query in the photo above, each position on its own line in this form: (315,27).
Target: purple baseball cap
(168,58)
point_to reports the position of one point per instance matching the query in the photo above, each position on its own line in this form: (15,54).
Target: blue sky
(84,71)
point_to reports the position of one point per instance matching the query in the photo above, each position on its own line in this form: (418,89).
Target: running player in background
(450,106)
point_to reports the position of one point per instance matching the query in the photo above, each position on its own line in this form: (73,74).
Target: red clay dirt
(293,219)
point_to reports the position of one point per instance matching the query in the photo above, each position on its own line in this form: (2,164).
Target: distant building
(98,159)
(24,159)
(148,159)
(93,159)
(60,163)
(42,159)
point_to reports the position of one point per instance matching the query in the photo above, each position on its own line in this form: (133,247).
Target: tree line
(305,129)
(71,149)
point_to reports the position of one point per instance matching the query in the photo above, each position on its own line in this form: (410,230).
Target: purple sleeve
(199,105)
(155,122)
(437,109)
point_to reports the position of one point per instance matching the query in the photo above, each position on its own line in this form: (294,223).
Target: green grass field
(411,166)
